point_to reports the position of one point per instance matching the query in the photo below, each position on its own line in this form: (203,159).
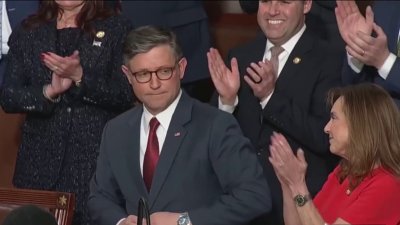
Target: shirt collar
(290,44)
(163,117)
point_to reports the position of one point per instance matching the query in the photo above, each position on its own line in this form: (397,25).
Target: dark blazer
(387,16)
(187,19)
(206,167)
(60,141)
(297,109)
(17,11)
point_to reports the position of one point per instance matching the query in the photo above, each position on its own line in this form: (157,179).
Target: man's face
(280,20)
(156,95)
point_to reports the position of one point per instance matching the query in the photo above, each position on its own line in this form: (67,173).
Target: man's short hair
(145,38)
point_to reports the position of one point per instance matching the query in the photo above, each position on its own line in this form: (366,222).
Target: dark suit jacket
(17,11)
(387,16)
(206,167)
(187,19)
(297,109)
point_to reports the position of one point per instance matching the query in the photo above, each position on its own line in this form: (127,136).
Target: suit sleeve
(246,192)
(18,94)
(394,75)
(105,203)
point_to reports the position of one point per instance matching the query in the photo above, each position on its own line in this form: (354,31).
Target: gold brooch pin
(100,34)
(296,60)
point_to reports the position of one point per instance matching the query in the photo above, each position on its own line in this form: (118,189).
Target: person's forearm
(307,213)
(290,215)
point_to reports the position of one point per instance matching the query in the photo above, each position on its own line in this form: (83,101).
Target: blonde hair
(374,131)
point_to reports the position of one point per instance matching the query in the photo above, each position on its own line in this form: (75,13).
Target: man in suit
(283,92)
(373,45)
(189,22)
(206,172)
(13,12)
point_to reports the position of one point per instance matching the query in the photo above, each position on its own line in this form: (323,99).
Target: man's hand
(372,51)
(164,218)
(130,220)
(226,82)
(261,78)
(350,20)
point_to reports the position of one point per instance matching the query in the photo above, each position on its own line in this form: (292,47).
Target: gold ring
(363,52)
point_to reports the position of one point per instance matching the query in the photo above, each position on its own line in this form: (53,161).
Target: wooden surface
(9,141)
(60,204)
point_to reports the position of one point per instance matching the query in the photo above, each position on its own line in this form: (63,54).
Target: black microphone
(143,212)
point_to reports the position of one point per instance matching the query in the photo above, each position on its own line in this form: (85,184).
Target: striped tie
(275,51)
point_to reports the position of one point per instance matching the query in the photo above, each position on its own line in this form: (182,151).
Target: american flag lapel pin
(177,134)
(99,36)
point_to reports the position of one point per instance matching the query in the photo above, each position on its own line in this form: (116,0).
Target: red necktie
(152,154)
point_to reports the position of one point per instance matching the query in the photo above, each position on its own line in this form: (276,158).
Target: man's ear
(126,71)
(182,67)
(307,6)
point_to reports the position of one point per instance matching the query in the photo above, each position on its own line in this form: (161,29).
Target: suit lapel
(295,60)
(175,135)
(93,45)
(257,50)
(132,157)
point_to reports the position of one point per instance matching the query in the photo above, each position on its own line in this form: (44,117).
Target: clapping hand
(65,67)
(289,168)
(261,78)
(226,81)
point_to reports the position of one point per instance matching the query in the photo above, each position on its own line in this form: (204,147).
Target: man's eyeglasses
(164,73)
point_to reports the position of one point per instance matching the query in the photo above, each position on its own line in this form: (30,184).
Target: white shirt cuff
(228,108)
(387,66)
(120,221)
(354,63)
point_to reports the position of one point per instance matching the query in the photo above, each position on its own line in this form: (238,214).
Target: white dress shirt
(164,118)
